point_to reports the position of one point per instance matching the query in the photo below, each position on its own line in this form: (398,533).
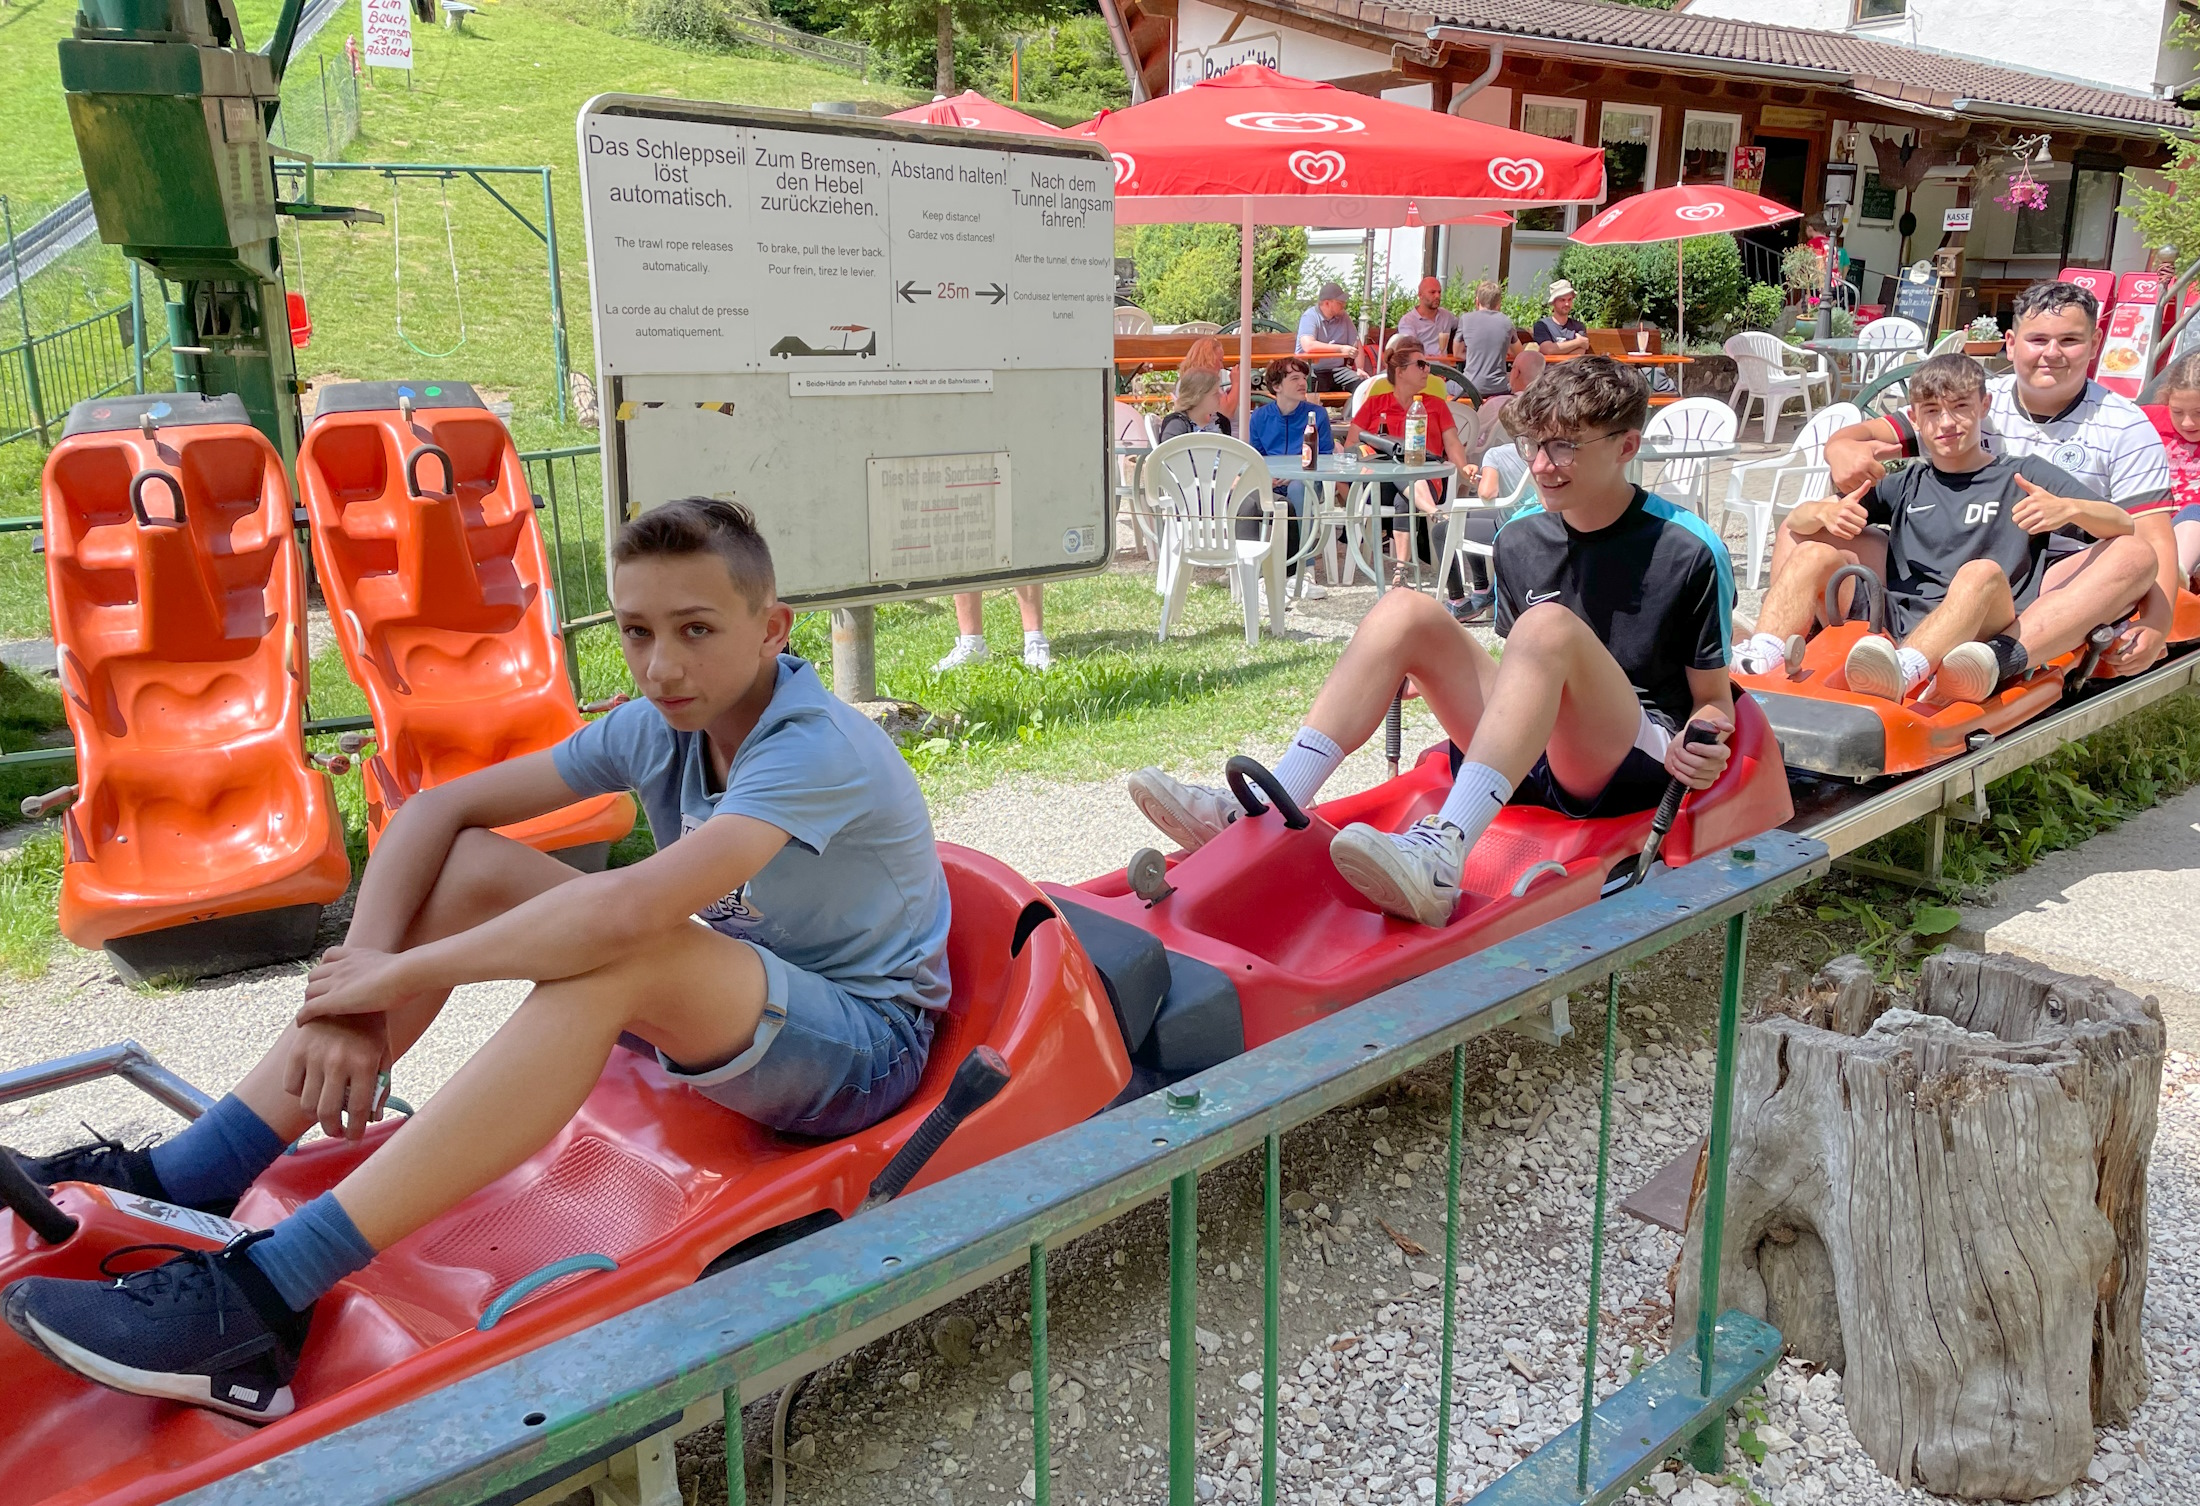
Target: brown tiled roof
(1859,62)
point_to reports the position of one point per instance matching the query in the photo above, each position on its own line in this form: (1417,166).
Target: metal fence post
(137,321)
(557,292)
(1183,1337)
(1708,1452)
(737,1451)
(23,312)
(1042,1460)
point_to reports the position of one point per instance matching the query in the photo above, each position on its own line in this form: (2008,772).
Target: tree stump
(1944,1198)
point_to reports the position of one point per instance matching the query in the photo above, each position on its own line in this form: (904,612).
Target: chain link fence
(320,113)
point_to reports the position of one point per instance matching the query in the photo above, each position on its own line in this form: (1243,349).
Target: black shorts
(1638,784)
(1904,613)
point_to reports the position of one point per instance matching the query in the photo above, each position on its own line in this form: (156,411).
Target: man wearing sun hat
(1559,333)
(1327,338)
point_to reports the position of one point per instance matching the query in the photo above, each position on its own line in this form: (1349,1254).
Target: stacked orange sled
(201,839)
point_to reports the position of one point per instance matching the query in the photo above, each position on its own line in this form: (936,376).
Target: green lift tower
(171,112)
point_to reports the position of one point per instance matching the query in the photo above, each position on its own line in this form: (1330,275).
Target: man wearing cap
(1559,333)
(1429,322)
(1327,338)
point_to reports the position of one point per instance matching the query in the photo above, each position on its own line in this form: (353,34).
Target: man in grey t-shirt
(1328,340)
(1487,341)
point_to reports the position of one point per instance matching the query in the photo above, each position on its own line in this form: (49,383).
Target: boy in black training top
(1963,552)
(1613,605)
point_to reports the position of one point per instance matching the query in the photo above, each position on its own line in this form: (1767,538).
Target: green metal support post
(1271,1323)
(1042,1462)
(1451,1273)
(737,1451)
(23,312)
(1708,1450)
(1183,1338)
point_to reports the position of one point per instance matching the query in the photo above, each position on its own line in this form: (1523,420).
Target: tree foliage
(1068,69)
(1188,272)
(906,33)
(1616,285)
(2168,216)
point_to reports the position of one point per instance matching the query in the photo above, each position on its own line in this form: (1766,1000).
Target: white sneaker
(1759,654)
(1190,815)
(1874,668)
(965,651)
(1312,590)
(1413,874)
(1969,673)
(1038,653)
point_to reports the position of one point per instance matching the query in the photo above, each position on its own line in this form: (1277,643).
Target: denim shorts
(2189,513)
(825,1062)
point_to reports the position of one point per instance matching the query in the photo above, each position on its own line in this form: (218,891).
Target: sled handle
(1669,808)
(1875,597)
(412,469)
(31,1204)
(137,498)
(520,1290)
(1243,772)
(981,1075)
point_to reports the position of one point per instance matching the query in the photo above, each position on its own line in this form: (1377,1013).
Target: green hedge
(1617,285)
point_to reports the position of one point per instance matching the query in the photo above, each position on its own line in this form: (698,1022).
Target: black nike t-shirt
(1656,587)
(1938,521)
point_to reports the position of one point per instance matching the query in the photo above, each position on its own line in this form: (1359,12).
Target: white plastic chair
(1692,420)
(1761,376)
(1798,476)
(1951,341)
(1130,319)
(1197,327)
(1885,344)
(1195,484)
(1816,371)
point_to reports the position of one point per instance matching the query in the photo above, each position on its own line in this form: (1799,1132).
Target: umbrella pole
(1680,297)
(1245,327)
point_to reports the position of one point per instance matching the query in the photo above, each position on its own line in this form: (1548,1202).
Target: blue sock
(311,1251)
(218,1156)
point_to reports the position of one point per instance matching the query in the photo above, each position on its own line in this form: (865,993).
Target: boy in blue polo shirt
(785,951)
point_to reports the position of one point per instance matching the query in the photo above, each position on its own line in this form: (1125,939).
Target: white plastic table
(1358,514)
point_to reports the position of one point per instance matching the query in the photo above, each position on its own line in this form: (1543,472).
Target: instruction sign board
(386,26)
(1916,293)
(821,315)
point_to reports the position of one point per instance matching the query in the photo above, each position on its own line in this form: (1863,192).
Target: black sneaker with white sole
(105,1163)
(206,1328)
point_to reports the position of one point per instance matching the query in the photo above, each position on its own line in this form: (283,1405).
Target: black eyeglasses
(1560,452)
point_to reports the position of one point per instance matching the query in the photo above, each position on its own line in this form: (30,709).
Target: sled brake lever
(982,1075)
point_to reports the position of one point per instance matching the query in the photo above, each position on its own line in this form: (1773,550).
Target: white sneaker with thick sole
(1413,874)
(1759,654)
(1969,673)
(1312,590)
(965,651)
(1038,654)
(1190,815)
(1873,668)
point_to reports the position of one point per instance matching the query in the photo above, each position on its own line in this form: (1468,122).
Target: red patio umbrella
(972,109)
(1672,214)
(1256,147)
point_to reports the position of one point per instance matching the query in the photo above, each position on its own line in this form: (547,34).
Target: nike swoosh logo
(1537,598)
(1928,507)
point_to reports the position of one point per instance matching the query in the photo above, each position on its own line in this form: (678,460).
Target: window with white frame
(1629,135)
(1560,120)
(1707,148)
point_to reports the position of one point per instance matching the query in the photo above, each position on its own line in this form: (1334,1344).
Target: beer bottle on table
(1310,445)
(1417,433)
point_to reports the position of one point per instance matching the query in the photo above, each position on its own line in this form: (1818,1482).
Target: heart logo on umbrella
(1312,123)
(1317,168)
(1699,212)
(1126,166)
(1516,174)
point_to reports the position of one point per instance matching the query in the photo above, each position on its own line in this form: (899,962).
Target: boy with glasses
(1614,606)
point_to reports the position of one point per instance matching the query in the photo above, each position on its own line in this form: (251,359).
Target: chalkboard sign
(1877,200)
(1915,295)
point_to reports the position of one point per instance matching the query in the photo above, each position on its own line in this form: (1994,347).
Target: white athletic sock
(969,640)
(1034,635)
(1307,764)
(1760,653)
(1476,797)
(1915,670)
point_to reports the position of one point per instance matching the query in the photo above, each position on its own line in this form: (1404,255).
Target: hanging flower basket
(2024,191)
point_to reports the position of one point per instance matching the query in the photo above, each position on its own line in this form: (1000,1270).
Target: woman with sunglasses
(1614,608)
(1417,529)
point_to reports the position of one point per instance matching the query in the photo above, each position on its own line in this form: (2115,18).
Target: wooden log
(1944,1198)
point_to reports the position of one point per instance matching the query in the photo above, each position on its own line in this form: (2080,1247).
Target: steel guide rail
(537,1421)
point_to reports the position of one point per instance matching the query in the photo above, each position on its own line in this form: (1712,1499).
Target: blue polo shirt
(1273,432)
